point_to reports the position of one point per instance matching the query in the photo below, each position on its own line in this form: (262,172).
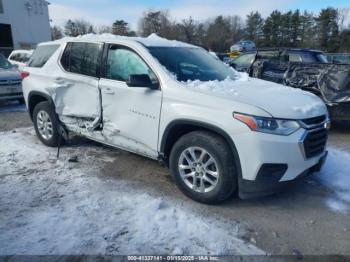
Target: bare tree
(103,29)
(56,33)
(78,27)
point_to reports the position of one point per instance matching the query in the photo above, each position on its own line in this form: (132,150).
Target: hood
(10,74)
(278,100)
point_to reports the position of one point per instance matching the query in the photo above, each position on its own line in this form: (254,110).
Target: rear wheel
(203,167)
(46,124)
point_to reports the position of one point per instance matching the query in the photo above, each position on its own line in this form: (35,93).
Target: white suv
(218,130)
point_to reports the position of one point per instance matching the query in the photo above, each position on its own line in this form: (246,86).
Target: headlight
(268,125)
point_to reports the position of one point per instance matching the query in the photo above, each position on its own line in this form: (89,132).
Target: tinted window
(314,57)
(123,62)
(82,58)
(41,55)
(20,57)
(1,7)
(189,63)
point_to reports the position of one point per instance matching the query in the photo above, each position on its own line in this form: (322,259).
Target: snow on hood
(280,101)
(10,74)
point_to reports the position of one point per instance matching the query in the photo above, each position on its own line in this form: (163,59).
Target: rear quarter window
(82,58)
(41,55)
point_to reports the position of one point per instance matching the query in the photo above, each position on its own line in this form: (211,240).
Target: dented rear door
(76,91)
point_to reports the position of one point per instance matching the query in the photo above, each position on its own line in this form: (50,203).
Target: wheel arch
(34,98)
(180,127)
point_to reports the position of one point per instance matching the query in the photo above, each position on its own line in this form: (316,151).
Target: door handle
(109,91)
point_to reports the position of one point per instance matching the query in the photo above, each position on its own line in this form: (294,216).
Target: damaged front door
(130,112)
(77,95)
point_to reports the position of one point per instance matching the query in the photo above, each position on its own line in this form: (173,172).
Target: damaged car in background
(306,69)
(217,130)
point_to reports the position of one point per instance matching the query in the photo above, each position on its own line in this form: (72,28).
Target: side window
(82,58)
(123,62)
(293,57)
(41,55)
(14,57)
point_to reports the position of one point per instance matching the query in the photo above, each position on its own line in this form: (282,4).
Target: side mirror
(141,81)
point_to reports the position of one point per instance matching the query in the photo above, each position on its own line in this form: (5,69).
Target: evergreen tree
(254,27)
(328,30)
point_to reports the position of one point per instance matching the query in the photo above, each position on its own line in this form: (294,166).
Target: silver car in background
(243,46)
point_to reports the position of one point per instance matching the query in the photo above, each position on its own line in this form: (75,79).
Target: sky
(104,12)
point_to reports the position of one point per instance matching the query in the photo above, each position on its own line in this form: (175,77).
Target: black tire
(218,148)
(55,138)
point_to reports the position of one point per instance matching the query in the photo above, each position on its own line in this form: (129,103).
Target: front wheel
(203,167)
(46,124)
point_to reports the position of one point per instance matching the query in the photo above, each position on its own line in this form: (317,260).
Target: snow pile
(335,175)
(59,207)
(220,87)
(151,40)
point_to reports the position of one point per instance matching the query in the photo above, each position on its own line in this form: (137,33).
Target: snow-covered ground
(335,175)
(51,206)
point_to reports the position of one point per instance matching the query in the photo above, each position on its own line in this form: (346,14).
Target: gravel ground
(298,221)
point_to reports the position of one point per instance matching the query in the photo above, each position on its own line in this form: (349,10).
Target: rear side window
(41,55)
(82,58)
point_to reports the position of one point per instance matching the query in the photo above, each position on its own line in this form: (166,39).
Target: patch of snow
(335,175)
(55,207)
(311,108)
(151,40)
(221,87)
(270,96)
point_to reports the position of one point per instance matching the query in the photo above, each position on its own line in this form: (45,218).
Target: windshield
(188,63)
(4,64)
(322,58)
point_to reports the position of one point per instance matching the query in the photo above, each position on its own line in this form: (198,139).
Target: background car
(244,62)
(305,69)
(243,46)
(20,58)
(10,81)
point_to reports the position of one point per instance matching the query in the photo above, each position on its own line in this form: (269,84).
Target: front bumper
(264,187)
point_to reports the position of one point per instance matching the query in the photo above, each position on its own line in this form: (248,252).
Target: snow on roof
(151,40)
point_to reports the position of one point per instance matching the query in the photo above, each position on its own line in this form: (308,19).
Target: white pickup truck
(219,131)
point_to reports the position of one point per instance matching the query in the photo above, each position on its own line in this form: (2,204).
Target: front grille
(10,82)
(314,120)
(315,142)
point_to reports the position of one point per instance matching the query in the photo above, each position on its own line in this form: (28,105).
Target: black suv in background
(245,61)
(305,69)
